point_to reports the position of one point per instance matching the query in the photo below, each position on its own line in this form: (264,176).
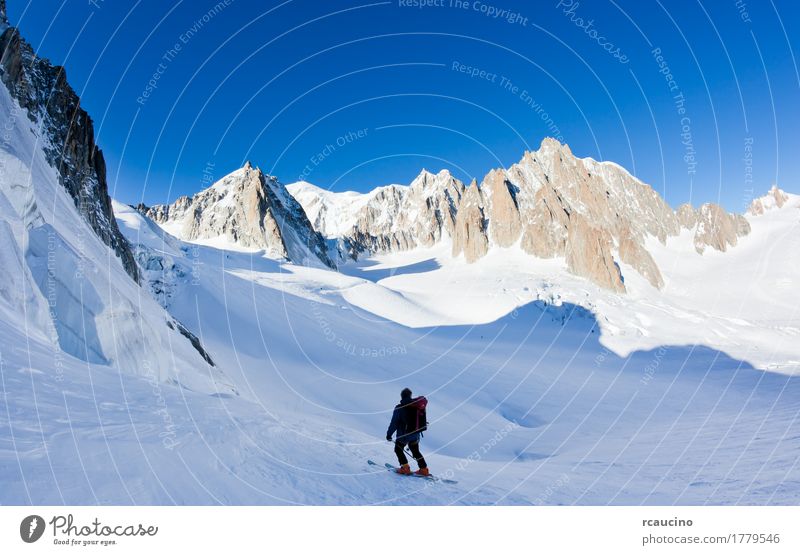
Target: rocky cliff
(250,209)
(469,236)
(42,90)
(388,218)
(551,203)
(716,228)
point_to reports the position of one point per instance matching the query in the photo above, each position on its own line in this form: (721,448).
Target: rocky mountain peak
(469,235)
(686,215)
(250,209)
(388,218)
(424,175)
(429,184)
(775,198)
(712,226)
(717,228)
(552,146)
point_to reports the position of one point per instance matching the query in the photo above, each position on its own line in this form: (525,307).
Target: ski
(392,468)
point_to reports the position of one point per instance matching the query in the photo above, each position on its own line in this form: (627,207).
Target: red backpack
(416,416)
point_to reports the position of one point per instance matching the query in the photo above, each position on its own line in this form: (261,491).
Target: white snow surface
(529,402)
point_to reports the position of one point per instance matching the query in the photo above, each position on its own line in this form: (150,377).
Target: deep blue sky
(275,82)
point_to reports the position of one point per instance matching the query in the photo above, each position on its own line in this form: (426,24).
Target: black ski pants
(401,456)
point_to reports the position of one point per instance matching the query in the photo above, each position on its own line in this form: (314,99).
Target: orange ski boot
(423,472)
(404,469)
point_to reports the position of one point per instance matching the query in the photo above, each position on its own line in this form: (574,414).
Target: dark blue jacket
(400,424)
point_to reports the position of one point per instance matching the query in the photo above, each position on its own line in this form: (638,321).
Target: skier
(408,420)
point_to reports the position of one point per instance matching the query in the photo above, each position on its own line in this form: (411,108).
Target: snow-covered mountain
(45,97)
(335,214)
(249,209)
(551,203)
(69,277)
(677,395)
(389,218)
(243,368)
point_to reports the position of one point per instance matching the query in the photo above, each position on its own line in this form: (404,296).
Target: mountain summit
(251,209)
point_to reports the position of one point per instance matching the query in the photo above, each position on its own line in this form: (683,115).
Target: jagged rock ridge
(389,218)
(250,209)
(595,215)
(713,227)
(68,134)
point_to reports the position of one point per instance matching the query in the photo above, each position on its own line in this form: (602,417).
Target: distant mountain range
(551,203)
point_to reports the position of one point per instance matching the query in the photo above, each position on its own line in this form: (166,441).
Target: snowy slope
(744,298)
(65,287)
(527,404)
(528,408)
(544,388)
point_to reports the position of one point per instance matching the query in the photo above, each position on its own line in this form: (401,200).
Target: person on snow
(406,422)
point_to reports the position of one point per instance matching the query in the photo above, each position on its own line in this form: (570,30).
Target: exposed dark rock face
(192,339)
(68,134)
(251,209)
